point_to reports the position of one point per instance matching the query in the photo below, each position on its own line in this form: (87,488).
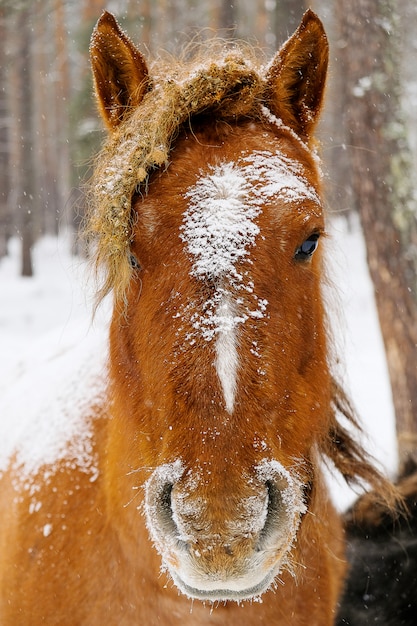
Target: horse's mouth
(234,590)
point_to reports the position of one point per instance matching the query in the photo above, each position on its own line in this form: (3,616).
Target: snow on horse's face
(218,352)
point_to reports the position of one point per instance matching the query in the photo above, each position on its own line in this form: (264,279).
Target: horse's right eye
(134,263)
(307,248)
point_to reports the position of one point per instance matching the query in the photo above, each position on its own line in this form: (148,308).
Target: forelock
(229,86)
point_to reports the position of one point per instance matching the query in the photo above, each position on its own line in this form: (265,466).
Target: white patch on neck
(227,360)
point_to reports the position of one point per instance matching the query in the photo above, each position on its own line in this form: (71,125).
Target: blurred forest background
(50,130)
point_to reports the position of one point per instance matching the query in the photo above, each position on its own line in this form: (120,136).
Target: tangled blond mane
(229,86)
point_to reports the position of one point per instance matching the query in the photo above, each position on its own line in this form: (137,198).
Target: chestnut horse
(183,485)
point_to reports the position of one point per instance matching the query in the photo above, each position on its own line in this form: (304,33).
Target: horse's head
(209,222)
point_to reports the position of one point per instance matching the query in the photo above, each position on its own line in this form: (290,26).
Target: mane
(228,85)
(342,450)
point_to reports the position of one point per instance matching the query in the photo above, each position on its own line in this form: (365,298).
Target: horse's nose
(178,512)
(195,520)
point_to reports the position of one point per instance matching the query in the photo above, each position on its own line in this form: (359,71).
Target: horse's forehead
(216,197)
(219,225)
(237,178)
(220,218)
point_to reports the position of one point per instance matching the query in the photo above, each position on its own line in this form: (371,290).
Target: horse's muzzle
(231,556)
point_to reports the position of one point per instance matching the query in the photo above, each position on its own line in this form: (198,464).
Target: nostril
(274,499)
(165,497)
(164,509)
(159,500)
(275,517)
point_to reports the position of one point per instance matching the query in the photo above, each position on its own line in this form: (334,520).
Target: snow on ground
(52,299)
(44,316)
(366,374)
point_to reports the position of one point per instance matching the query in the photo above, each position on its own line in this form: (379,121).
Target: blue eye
(307,248)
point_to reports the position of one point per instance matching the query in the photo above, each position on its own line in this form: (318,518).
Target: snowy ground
(52,311)
(366,375)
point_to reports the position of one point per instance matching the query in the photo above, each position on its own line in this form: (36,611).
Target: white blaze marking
(227,361)
(219,228)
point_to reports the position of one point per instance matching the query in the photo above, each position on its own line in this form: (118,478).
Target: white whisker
(133,497)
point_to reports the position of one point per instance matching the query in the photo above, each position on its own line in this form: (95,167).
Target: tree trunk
(92,9)
(27,192)
(381,186)
(62,101)
(22,193)
(288,14)
(5,221)
(228,17)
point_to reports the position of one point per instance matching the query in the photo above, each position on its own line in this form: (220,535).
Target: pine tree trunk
(288,14)
(5,220)
(381,186)
(228,17)
(21,162)
(27,193)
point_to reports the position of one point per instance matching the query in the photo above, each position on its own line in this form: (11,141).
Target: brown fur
(98,566)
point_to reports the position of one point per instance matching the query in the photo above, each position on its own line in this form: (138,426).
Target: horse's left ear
(297,76)
(120,73)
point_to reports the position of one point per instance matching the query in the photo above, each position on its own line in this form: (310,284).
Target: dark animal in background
(381,587)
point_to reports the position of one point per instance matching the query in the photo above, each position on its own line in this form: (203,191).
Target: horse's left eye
(307,248)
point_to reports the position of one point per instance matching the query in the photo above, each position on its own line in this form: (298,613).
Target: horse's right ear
(120,73)
(297,76)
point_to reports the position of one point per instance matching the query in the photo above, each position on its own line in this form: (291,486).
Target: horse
(178,477)
(381,584)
